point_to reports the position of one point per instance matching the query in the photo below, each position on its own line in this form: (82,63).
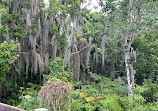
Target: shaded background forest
(75,45)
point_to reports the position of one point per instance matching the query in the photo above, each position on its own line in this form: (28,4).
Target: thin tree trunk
(77,64)
(68,48)
(103,50)
(112,67)
(128,52)
(96,60)
(127,65)
(130,72)
(88,50)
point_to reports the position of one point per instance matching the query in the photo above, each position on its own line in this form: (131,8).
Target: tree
(7,57)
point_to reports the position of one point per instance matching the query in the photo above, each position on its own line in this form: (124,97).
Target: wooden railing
(5,107)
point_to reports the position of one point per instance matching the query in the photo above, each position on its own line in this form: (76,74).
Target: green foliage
(7,57)
(53,28)
(57,69)
(27,4)
(33,32)
(76,105)
(151,90)
(18,30)
(2,11)
(61,40)
(10,17)
(2,29)
(92,23)
(73,6)
(110,103)
(5,2)
(153,106)
(146,44)
(29,100)
(140,108)
(70,7)
(101,95)
(20,33)
(105,95)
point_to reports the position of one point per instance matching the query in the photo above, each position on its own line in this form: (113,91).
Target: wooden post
(5,107)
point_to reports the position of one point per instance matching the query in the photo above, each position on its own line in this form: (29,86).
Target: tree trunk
(103,50)
(127,65)
(130,72)
(112,67)
(88,50)
(128,37)
(68,48)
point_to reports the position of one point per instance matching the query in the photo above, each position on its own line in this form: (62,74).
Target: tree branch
(81,49)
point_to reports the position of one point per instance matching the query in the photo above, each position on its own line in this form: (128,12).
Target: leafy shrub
(103,96)
(7,57)
(57,69)
(29,100)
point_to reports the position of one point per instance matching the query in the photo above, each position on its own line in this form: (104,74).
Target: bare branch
(81,49)
(51,70)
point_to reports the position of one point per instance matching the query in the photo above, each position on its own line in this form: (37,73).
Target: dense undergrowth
(101,94)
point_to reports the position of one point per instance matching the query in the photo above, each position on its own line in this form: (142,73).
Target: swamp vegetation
(65,57)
